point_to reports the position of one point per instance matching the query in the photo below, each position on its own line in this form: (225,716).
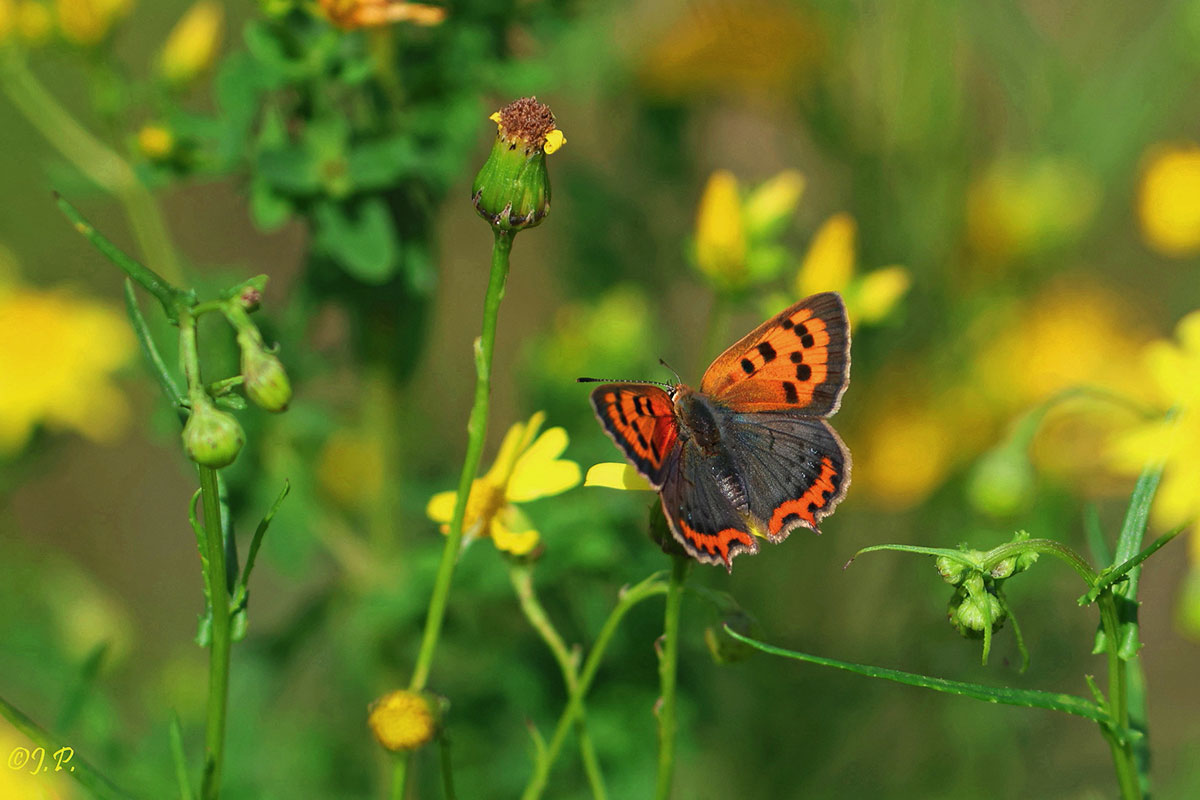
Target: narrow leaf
(256,542)
(158,367)
(1029,698)
(1101,553)
(177,754)
(150,280)
(78,694)
(78,768)
(1111,576)
(1128,544)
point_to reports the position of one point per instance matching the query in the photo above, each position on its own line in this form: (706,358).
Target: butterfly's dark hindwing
(702,517)
(794,469)
(640,418)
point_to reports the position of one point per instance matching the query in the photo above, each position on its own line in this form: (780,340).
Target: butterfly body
(749,455)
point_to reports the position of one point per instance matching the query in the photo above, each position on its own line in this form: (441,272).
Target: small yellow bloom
(770,205)
(8,17)
(354,14)
(402,720)
(192,44)
(720,230)
(1174,372)
(1169,200)
(87,22)
(155,142)
(829,265)
(527,468)
(33,21)
(58,354)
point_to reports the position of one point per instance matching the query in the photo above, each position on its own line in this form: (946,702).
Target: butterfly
(750,454)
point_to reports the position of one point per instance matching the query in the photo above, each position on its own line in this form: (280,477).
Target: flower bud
(1002,481)
(211,437)
(970,613)
(192,44)
(88,22)
(156,142)
(512,191)
(952,570)
(263,377)
(403,720)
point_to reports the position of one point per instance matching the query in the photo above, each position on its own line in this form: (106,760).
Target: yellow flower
(1019,207)
(8,17)
(1174,373)
(33,21)
(57,356)
(720,231)
(155,142)
(403,720)
(527,468)
(829,265)
(192,44)
(907,452)
(353,14)
(613,475)
(1169,200)
(87,22)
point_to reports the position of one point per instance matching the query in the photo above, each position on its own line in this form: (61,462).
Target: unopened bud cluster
(978,603)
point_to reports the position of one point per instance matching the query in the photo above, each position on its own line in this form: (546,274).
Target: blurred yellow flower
(57,356)
(1018,207)
(908,449)
(1169,200)
(720,231)
(402,720)
(8,17)
(1174,373)
(353,14)
(829,265)
(192,44)
(155,142)
(738,47)
(86,22)
(350,468)
(770,205)
(526,468)
(33,21)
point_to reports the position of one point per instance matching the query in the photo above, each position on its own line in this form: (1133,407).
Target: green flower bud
(512,191)
(211,437)
(952,570)
(263,377)
(969,613)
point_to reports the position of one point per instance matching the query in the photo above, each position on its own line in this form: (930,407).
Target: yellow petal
(495,117)
(829,263)
(512,533)
(879,292)
(1169,200)
(1188,331)
(720,233)
(769,204)
(441,506)
(611,475)
(554,140)
(540,473)
(516,441)
(1131,450)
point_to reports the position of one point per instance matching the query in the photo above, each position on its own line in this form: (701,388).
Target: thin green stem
(447,769)
(399,777)
(78,768)
(219,649)
(1116,731)
(1046,546)
(631,597)
(668,665)
(476,432)
(568,662)
(90,156)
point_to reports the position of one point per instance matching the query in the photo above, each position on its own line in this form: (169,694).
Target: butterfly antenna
(622,380)
(668,366)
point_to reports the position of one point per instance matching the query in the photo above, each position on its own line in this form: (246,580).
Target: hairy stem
(219,649)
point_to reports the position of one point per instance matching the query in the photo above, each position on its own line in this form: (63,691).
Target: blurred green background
(1029,172)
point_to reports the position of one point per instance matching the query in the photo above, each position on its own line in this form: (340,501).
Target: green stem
(1046,546)
(668,663)
(218,659)
(79,769)
(631,597)
(91,157)
(476,431)
(568,663)
(1116,731)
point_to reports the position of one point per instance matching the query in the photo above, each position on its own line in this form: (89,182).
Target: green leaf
(270,211)
(241,593)
(158,367)
(1110,576)
(360,238)
(177,755)
(290,169)
(77,695)
(1029,698)
(378,164)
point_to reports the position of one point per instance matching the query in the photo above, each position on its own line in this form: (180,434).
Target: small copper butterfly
(750,453)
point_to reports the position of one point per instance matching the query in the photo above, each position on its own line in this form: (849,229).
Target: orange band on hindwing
(809,504)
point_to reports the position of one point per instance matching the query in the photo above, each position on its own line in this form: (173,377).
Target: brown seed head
(528,121)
